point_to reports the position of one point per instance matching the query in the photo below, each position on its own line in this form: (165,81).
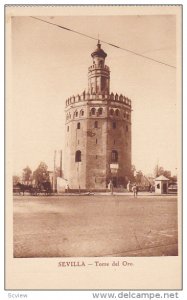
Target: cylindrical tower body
(98,132)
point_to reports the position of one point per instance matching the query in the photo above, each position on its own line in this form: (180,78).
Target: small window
(77,156)
(117,112)
(67,128)
(78,125)
(82,112)
(96,156)
(114,125)
(114,156)
(76,114)
(96,124)
(127,129)
(100,111)
(111,112)
(100,64)
(93,111)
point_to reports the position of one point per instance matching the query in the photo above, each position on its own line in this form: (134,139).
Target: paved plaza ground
(95,225)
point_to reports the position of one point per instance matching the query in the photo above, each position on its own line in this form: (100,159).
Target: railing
(93,67)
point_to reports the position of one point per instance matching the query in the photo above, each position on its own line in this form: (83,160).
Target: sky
(50,64)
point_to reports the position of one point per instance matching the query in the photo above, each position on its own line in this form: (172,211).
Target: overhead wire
(110,44)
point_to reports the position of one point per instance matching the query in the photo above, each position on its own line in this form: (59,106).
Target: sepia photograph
(94,136)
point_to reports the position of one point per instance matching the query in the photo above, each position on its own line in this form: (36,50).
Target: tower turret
(99,73)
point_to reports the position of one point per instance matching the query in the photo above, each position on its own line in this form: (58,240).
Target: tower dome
(99,52)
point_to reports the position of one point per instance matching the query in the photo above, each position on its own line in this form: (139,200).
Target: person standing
(111,186)
(128,186)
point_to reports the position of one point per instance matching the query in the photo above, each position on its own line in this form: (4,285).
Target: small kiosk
(161,185)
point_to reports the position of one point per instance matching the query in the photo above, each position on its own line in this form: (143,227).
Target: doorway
(114,181)
(164,188)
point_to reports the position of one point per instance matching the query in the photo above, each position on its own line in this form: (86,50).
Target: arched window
(111,112)
(117,112)
(96,124)
(114,156)
(78,125)
(114,125)
(82,113)
(93,111)
(100,111)
(77,156)
(67,128)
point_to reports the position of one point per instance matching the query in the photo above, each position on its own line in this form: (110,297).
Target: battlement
(87,97)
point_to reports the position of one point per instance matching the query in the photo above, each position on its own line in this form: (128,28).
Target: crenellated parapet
(120,98)
(85,96)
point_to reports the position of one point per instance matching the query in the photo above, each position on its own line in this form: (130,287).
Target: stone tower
(98,132)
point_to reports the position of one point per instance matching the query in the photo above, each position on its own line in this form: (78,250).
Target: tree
(167,173)
(27,172)
(139,176)
(132,175)
(41,174)
(16,179)
(158,171)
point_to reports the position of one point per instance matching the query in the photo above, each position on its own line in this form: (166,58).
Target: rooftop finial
(99,51)
(98,43)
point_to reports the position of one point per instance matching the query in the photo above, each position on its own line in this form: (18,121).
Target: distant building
(161,185)
(98,132)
